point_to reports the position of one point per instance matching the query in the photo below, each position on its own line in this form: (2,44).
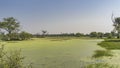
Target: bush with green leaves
(12,60)
(25,35)
(17,36)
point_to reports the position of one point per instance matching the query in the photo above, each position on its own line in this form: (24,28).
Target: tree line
(10,30)
(91,35)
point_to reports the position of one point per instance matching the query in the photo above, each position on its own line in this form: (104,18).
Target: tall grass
(101,53)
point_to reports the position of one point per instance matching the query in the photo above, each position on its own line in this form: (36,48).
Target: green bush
(24,35)
(13,60)
(17,36)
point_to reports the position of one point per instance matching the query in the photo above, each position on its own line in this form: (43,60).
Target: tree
(12,36)
(100,34)
(10,24)
(93,34)
(79,34)
(116,24)
(108,35)
(44,32)
(113,34)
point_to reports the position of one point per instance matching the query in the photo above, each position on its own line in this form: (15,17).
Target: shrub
(17,36)
(13,60)
(24,35)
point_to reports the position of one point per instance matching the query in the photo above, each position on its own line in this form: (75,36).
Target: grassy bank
(110,44)
(102,53)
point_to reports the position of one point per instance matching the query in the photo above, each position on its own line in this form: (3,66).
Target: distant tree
(108,35)
(79,34)
(87,35)
(10,24)
(25,35)
(100,34)
(44,32)
(93,34)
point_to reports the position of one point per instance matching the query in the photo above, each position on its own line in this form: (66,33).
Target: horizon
(62,16)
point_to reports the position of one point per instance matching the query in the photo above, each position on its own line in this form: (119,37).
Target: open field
(55,53)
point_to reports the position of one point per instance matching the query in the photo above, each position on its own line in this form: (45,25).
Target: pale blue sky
(64,16)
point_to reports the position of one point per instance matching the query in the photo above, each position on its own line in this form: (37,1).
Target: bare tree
(44,32)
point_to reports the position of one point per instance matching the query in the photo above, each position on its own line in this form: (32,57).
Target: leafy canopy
(10,25)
